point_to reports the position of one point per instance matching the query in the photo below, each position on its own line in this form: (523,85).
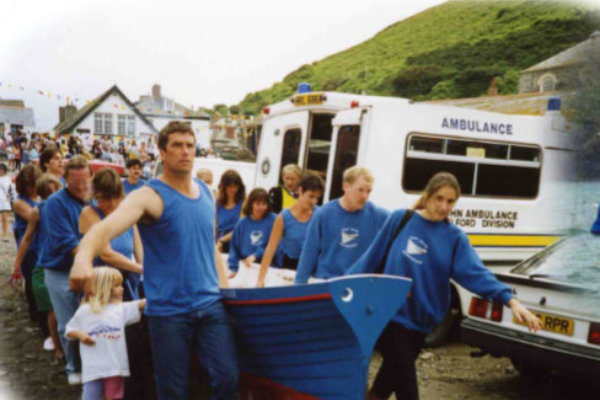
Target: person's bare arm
(22,209)
(87,220)
(138,248)
(34,217)
(143,201)
(223,283)
(274,239)
(81,336)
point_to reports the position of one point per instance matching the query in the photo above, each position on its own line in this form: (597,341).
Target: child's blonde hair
(103,280)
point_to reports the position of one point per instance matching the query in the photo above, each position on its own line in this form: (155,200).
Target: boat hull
(312,341)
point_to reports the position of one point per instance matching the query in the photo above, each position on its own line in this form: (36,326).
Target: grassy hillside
(448,51)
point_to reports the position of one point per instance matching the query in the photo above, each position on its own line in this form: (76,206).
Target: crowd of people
(19,150)
(95,250)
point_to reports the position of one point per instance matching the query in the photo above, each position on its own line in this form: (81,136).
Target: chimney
(156,92)
(66,112)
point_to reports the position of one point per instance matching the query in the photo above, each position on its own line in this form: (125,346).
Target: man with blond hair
(342,229)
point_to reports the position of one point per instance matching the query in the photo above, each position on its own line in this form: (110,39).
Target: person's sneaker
(74,378)
(48,344)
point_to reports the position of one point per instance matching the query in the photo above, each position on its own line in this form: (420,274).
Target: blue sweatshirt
(180,275)
(226,219)
(251,237)
(431,253)
(41,234)
(61,217)
(128,187)
(336,238)
(294,234)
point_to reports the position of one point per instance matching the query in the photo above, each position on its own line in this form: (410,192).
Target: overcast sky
(200,52)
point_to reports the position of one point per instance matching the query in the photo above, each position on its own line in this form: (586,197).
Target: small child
(99,324)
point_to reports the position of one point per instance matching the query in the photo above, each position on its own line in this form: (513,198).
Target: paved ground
(28,372)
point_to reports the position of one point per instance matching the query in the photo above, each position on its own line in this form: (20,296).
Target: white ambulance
(510,167)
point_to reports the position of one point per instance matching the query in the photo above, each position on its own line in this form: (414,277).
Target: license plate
(553,323)
(308,99)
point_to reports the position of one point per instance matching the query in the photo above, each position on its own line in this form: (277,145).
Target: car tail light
(594,335)
(497,312)
(478,307)
(353,104)
(266,110)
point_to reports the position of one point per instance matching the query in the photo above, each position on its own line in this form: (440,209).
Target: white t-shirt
(108,357)
(5,188)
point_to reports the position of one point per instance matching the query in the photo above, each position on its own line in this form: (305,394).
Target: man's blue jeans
(210,333)
(64,302)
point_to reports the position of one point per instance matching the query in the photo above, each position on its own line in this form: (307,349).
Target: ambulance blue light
(554,104)
(304,87)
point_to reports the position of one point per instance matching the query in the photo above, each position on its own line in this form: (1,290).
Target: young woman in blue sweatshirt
(251,233)
(291,226)
(430,250)
(230,197)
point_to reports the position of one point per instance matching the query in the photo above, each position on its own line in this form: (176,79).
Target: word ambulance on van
(509,166)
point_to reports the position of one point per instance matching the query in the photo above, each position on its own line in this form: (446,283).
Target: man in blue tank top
(134,176)
(175,216)
(341,230)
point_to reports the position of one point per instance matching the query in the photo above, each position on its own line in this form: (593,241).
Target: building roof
(521,104)
(70,123)
(573,55)
(151,108)
(17,115)
(12,103)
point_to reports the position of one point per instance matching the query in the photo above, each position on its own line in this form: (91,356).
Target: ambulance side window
(291,148)
(483,168)
(319,144)
(346,152)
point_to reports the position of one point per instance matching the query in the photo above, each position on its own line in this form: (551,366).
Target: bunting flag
(41,92)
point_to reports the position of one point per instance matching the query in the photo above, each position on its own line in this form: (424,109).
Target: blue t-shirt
(336,238)
(122,244)
(179,253)
(61,217)
(294,233)
(430,253)
(20,225)
(251,237)
(226,219)
(128,187)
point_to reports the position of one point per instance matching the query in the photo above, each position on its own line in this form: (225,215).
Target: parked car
(561,285)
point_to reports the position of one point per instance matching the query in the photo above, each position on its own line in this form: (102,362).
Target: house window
(483,168)
(103,123)
(131,125)
(548,84)
(121,124)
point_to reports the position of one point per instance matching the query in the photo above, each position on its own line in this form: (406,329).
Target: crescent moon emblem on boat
(348,295)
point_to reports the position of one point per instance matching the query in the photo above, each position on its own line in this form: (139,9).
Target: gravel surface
(28,372)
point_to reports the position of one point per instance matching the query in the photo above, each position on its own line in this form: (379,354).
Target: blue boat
(312,341)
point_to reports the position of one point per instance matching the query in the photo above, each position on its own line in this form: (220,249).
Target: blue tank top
(121,244)
(179,253)
(294,233)
(41,234)
(20,225)
(226,219)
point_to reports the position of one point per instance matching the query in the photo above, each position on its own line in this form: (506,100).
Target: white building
(109,114)
(14,116)
(160,110)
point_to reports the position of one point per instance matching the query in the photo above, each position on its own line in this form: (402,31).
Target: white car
(561,285)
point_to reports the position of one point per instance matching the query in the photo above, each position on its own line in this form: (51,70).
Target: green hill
(448,51)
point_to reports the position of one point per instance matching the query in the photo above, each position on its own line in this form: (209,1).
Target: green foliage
(509,82)
(451,50)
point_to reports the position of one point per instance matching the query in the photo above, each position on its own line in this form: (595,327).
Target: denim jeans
(209,332)
(65,302)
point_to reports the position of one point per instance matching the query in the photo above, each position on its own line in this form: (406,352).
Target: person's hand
(80,278)
(261,282)
(220,246)
(87,339)
(232,274)
(249,260)
(138,268)
(522,314)
(16,279)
